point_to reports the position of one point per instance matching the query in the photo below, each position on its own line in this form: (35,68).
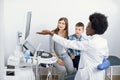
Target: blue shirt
(73,51)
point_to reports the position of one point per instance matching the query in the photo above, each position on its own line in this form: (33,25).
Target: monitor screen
(27,44)
(28,22)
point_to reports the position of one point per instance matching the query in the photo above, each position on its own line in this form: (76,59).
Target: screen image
(27,45)
(28,22)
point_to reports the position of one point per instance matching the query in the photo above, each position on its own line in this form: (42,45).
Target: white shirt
(93,51)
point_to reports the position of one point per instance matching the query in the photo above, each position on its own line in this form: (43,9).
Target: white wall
(1,41)
(45,14)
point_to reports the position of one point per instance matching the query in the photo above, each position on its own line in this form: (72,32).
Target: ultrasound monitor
(27,44)
(28,22)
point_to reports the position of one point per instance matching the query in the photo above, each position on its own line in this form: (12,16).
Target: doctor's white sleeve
(73,44)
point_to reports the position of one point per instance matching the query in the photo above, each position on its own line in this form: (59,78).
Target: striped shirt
(73,51)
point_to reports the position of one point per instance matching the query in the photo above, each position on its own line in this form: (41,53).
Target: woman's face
(61,25)
(89,30)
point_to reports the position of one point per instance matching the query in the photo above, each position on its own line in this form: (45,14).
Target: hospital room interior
(25,55)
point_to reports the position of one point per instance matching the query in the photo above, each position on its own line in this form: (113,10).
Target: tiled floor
(117,77)
(44,71)
(44,77)
(55,77)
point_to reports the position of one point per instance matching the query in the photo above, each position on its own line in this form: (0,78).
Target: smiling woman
(64,63)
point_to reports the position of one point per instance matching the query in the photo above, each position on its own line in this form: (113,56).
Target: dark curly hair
(98,22)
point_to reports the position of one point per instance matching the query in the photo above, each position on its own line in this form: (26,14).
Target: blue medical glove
(105,64)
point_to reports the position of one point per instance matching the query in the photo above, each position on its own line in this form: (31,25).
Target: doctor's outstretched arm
(69,43)
(79,45)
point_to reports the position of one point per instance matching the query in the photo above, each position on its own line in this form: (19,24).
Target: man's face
(79,30)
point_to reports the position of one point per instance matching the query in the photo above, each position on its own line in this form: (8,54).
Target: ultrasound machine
(19,64)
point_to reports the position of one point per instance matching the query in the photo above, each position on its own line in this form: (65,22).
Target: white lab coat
(93,51)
